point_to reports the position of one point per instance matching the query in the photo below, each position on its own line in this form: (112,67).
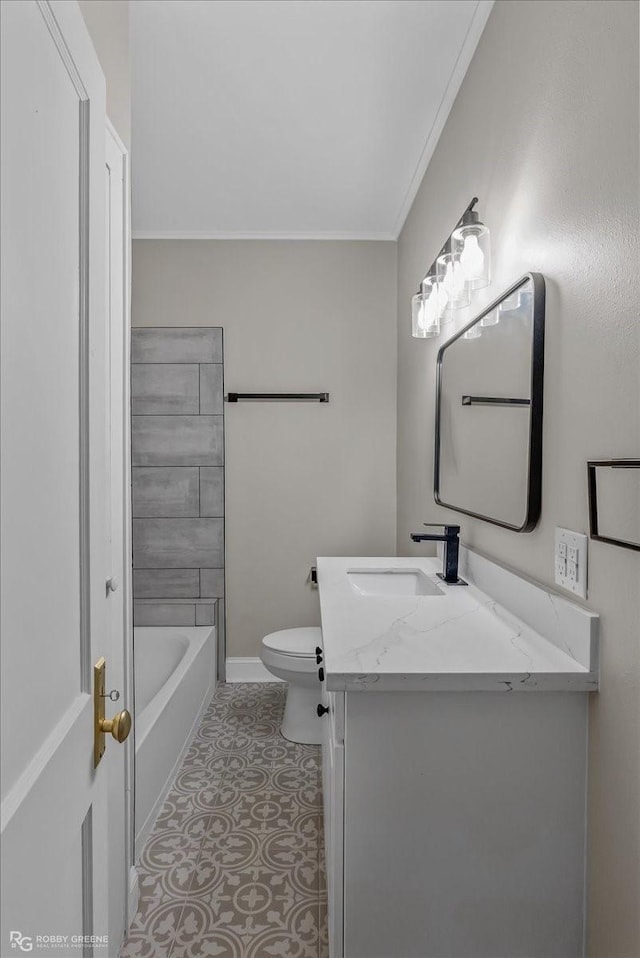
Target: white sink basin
(390,582)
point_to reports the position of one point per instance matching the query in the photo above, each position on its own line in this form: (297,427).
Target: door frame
(130,878)
(57,773)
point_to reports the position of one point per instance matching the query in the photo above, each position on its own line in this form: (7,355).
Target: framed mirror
(488,435)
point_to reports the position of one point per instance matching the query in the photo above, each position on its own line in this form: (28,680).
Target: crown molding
(221,235)
(476,27)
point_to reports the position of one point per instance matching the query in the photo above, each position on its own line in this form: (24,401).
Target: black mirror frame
(592,487)
(534,479)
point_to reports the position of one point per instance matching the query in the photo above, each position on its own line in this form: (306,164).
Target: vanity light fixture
(471,242)
(451,278)
(433,303)
(462,266)
(424,316)
(418,317)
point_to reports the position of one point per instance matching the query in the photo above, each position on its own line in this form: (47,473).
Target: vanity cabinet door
(333,799)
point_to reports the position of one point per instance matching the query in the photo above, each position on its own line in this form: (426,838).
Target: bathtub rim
(143,829)
(156,706)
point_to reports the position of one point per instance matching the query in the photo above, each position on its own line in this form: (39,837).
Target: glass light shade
(509,304)
(491,319)
(421,325)
(474,333)
(434,304)
(451,281)
(442,302)
(516,306)
(472,244)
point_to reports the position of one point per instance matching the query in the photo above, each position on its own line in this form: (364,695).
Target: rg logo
(18,940)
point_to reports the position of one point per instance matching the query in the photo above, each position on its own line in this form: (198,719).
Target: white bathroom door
(54,606)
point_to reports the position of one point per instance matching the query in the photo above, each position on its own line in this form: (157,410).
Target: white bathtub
(174,679)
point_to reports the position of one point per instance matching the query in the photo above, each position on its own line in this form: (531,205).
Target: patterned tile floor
(234,866)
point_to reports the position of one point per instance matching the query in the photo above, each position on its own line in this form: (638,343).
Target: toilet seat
(297,643)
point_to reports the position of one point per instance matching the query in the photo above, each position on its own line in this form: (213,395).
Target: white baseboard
(245,669)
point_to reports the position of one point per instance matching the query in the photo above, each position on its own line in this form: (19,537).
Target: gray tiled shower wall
(177,439)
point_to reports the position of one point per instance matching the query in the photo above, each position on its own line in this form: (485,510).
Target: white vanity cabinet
(454,794)
(455,824)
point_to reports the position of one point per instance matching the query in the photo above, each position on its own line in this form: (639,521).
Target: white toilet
(291,655)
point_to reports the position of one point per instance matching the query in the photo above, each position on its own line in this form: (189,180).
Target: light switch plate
(571,561)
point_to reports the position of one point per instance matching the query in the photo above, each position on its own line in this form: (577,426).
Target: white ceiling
(290,118)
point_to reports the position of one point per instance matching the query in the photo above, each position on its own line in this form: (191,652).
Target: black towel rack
(278,397)
(493,401)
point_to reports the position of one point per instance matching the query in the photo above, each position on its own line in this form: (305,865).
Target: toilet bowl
(291,655)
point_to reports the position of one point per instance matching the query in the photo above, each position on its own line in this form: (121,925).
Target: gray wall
(302,480)
(177,457)
(108,25)
(545,132)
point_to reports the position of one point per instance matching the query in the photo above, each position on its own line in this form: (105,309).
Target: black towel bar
(278,397)
(493,401)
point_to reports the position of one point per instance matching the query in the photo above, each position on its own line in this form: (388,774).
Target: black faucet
(451,539)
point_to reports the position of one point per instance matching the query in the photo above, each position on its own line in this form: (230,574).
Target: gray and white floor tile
(234,867)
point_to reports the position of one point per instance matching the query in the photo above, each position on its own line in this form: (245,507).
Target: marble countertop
(463,639)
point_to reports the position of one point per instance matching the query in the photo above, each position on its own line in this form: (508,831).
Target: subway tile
(166,583)
(206,614)
(177,440)
(212,491)
(165,491)
(211,394)
(176,345)
(178,543)
(163,613)
(212,583)
(165,389)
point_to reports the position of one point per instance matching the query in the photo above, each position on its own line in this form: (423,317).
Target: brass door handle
(119,726)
